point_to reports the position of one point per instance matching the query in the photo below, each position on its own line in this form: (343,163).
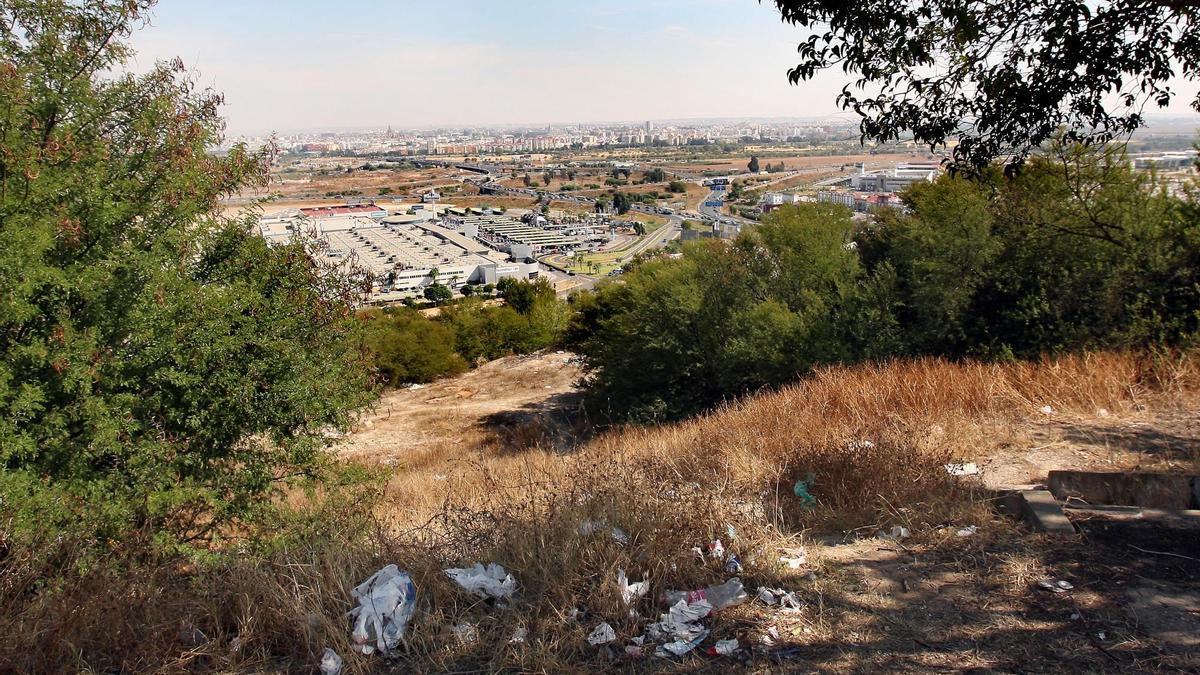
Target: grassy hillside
(504,497)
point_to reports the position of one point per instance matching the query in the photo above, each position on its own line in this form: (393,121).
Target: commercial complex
(404,253)
(894,179)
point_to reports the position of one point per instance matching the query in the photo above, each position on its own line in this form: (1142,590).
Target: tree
(528,180)
(467,290)
(546,179)
(438,293)
(753,165)
(1001,77)
(622,203)
(407,347)
(522,295)
(163,371)
(656,175)
(677,187)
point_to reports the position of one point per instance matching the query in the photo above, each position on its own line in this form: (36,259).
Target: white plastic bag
(486,582)
(386,602)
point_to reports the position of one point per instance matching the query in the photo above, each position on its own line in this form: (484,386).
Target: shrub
(407,347)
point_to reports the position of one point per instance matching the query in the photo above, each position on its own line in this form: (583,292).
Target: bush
(407,347)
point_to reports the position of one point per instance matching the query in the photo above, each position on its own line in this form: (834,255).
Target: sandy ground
(454,412)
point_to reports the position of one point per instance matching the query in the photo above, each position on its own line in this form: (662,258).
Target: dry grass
(513,497)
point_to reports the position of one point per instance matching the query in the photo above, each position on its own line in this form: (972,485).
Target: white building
(895,179)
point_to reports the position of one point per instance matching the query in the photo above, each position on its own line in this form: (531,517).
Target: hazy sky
(303,64)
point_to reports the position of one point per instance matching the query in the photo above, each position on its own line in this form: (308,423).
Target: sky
(292,65)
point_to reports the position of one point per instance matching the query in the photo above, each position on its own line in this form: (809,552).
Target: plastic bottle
(725,595)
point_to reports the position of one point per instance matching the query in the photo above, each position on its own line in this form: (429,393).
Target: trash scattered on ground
(1055,585)
(1102,635)
(724,648)
(681,623)
(965,469)
(1102,412)
(602,635)
(860,445)
(631,592)
(778,596)
(716,550)
(573,615)
(386,602)
(801,490)
(795,558)
(734,564)
(331,663)
(730,532)
(719,597)
(968,531)
(680,647)
(897,532)
(486,582)
(771,636)
(1047,410)
(588,527)
(635,650)
(519,635)
(466,633)
(415,386)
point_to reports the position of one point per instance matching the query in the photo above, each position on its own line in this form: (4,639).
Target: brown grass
(510,498)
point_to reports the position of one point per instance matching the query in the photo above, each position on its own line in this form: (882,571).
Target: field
(499,465)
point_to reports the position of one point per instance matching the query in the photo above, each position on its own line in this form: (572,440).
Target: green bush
(407,347)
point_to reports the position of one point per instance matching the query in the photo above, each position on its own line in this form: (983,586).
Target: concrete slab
(1042,512)
(1151,490)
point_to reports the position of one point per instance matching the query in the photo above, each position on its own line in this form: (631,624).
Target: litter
(897,532)
(785,599)
(680,647)
(588,527)
(860,445)
(716,550)
(801,490)
(1056,585)
(1047,410)
(794,559)
(771,636)
(633,651)
(486,582)
(466,633)
(719,597)
(415,386)
(730,532)
(519,636)
(680,621)
(386,602)
(331,663)
(724,648)
(965,469)
(733,565)
(602,635)
(968,531)
(631,592)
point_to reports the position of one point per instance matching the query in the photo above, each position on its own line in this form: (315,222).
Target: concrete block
(1151,490)
(1043,513)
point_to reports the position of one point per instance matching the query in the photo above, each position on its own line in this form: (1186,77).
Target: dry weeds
(874,439)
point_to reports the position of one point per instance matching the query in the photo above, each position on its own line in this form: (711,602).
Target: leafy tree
(546,179)
(521,295)
(677,187)
(468,290)
(622,203)
(1001,77)
(656,175)
(753,165)
(162,369)
(438,293)
(528,180)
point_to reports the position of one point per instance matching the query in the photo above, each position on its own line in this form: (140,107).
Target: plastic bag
(386,602)
(486,582)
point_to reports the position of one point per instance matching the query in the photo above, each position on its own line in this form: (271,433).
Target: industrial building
(404,253)
(510,235)
(895,179)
